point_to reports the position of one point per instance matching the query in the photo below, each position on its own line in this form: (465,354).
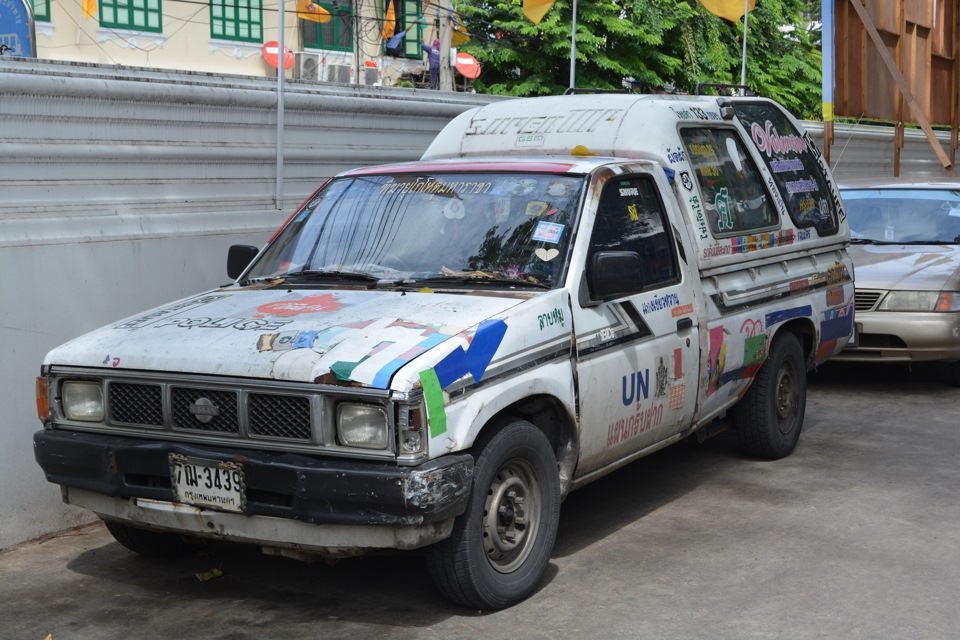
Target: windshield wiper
(322,274)
(477,279)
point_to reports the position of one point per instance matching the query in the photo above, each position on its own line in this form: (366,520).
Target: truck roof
(539,164)
(585,125)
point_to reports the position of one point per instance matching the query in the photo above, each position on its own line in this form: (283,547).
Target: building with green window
(239,36)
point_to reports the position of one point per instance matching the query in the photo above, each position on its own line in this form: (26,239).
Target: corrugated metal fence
(122,188)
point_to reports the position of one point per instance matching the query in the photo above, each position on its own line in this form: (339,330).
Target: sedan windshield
(903,216)
(498,228)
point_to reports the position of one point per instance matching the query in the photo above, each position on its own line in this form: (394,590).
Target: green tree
(647,44)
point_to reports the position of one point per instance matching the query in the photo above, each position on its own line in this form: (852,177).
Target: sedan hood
(907,267)
(358,336)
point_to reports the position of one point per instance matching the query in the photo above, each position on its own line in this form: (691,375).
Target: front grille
(212,410)
(865,300)
(279,416)
(275,415)
(188,405)
(136,404)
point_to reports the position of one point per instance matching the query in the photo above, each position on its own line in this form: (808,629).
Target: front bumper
(127,478)
(901,336)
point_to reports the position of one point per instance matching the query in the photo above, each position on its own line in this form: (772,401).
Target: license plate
(207,483)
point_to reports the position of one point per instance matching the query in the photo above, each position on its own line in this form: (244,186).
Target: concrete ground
(856,535)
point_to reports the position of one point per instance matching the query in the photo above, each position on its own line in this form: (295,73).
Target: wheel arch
(806,335)
(549,415)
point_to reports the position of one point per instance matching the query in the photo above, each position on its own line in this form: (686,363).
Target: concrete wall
(122,188)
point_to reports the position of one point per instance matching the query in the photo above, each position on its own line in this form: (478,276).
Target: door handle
(684,323)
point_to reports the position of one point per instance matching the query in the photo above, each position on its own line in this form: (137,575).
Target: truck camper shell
(669,130)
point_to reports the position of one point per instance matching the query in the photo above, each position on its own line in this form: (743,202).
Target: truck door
(637,347)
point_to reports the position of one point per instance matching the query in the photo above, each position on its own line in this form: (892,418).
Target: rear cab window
(734,199)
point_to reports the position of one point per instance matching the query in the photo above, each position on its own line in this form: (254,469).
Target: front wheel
(501,545)
(770,415)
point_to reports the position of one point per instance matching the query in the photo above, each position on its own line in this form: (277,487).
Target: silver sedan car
(905,248)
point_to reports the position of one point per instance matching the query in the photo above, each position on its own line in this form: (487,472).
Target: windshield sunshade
(459,228)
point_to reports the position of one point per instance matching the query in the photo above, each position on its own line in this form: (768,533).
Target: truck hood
(907,267)
(357,336)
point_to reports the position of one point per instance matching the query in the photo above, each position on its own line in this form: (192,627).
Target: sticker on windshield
(536,208)
(548,232)
(546,254)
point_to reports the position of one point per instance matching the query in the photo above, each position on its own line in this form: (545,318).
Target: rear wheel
(154,544)
(501,546)
(769,417)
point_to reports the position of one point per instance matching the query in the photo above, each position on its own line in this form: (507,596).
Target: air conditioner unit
(307,66)
(371,75)
(339,73)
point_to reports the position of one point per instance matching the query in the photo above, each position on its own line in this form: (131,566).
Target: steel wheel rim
(511,515)
(787,397)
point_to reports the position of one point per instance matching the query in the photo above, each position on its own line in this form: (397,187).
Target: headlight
(82,400)
(362,425)
(920,301)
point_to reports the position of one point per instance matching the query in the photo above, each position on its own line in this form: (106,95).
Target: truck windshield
(496,227)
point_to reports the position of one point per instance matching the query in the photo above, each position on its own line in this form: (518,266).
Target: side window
(793,161)
(631,218)
(405,13)
(41,10)
(734,198)
(335,35)
(139,15)
(240,20)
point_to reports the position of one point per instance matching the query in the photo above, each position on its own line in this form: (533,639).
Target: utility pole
(445,13)
(356,40)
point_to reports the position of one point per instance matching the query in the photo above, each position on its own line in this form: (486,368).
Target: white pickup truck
(434,354)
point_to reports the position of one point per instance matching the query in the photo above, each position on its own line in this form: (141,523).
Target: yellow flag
(460,34)
(306,10)
(89,8)
(389,22)
(534,10)
(731,10)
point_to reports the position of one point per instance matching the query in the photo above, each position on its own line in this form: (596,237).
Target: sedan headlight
(362,425)
(82,400)
(920,301)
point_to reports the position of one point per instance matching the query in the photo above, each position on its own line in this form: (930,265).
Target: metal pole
(743,68)
(827,46)
(356,31)
(573,47)
(281,61)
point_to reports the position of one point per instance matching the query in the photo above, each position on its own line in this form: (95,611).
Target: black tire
(501,546)
(769,417)
(154,544)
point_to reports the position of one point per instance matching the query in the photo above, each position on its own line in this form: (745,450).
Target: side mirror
(614,273)
(239,258)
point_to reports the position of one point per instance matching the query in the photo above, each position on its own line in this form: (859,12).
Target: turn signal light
(43,398)
(946,302)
